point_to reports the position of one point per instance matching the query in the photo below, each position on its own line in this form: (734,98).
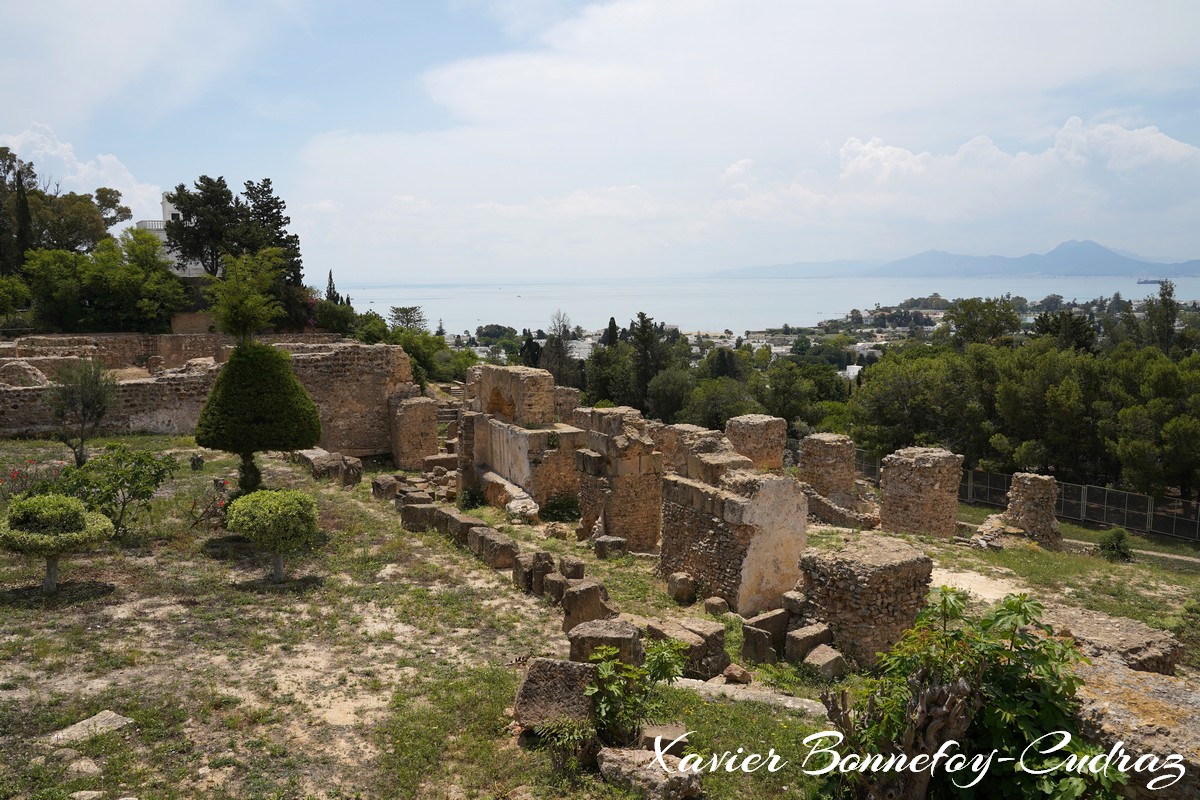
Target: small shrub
(50,526)
(623,693)
(560,509)
(1114,546)
(471,497)
(280,522)
(118,481)
(79,401)
(570,744)
(33,478)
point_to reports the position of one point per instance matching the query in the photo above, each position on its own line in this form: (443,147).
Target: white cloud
(56,161)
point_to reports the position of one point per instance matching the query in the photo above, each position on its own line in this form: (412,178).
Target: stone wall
(541,461)
(829,512)
(1031,503)
(826,463)
(867,591)
(741,541)
(519,395)
(696,452)
(918,489)
(566,400)
(119,350)
(759,437)
(620,476)
(351,384)
(413,431)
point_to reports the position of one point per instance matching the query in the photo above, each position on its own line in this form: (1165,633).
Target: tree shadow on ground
(228,548)
(265,585)
(69,593)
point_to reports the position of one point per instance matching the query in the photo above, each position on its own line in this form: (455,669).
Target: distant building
(189,269)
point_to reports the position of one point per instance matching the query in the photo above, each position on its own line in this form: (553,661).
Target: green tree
(50,526)
(256,403)
(410,318)
(1161,314)
(242,302)
(669,392)
(281,522)
(14,295)
(979,320)
(715,400)
(208,222)
(1069,331)
(79,401)
(118,482)
(610,375)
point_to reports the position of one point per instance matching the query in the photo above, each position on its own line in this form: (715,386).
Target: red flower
(226,483)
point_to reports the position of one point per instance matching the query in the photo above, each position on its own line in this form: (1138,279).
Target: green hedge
(283,521)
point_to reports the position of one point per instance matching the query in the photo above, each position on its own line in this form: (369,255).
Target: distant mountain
(1073,258)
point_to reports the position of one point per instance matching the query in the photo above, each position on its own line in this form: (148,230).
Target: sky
(470,140)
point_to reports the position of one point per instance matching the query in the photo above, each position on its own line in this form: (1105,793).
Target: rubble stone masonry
(1031,502)
(919,491)
(868,592)
(620,476)
(827,465)
(413,431)
(740,541)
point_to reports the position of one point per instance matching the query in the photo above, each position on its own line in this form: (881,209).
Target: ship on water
(1156,281)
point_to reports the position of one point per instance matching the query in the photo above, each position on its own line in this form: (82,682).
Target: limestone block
(413,431)
(474,540)
(552,690)
(497,550)
(543,565)
(609,546)
(736,673)
(522,572)
(103,722)
(759,437)
(624,636)
(554,584)
(585,600)
(775,623)
(384,487)
(670,739)
(446,461)
(796,603)
(757,646)
(571,567)
(828,662)
(411,498)
(1133,643)
(706,656)
(638,772)
(801,641)
(716,606)
(681,587)
(418,517)
(519,395)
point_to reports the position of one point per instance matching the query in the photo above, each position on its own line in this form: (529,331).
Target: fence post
(1083,504)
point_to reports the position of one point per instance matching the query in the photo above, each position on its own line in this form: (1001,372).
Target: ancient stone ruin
(826,464)
(510,445)
(1031,503)
(867,591)
(413,431)
(740,541)
(760,438)
(620,478)
(919,491)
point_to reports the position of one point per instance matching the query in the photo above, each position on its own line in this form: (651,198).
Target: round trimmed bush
(50,526)
(280,522)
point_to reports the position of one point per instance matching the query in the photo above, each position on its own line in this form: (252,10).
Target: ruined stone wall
(1031,503)
(566,400)
(829,512)
(620,476)
(541,461)
(468,476)
(350,383)
(740,542)
(868,592)
(413,431)
(518,395)
(918,489)
(119,350)
(827,464)
(696,452)
(759,437)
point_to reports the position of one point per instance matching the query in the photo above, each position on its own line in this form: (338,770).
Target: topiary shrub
(50,526)
(256,403)
(280,522)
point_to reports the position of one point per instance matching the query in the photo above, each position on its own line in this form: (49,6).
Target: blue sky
(470,139)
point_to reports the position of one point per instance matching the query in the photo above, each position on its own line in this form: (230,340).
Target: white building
(191,269)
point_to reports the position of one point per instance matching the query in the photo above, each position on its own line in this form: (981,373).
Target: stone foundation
(760,438)
(1031,503)
(740,542)
(919,491)
(868,592)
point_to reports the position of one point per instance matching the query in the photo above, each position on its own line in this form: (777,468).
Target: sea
(713,304)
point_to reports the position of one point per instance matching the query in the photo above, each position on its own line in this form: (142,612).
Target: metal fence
(1080,503)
